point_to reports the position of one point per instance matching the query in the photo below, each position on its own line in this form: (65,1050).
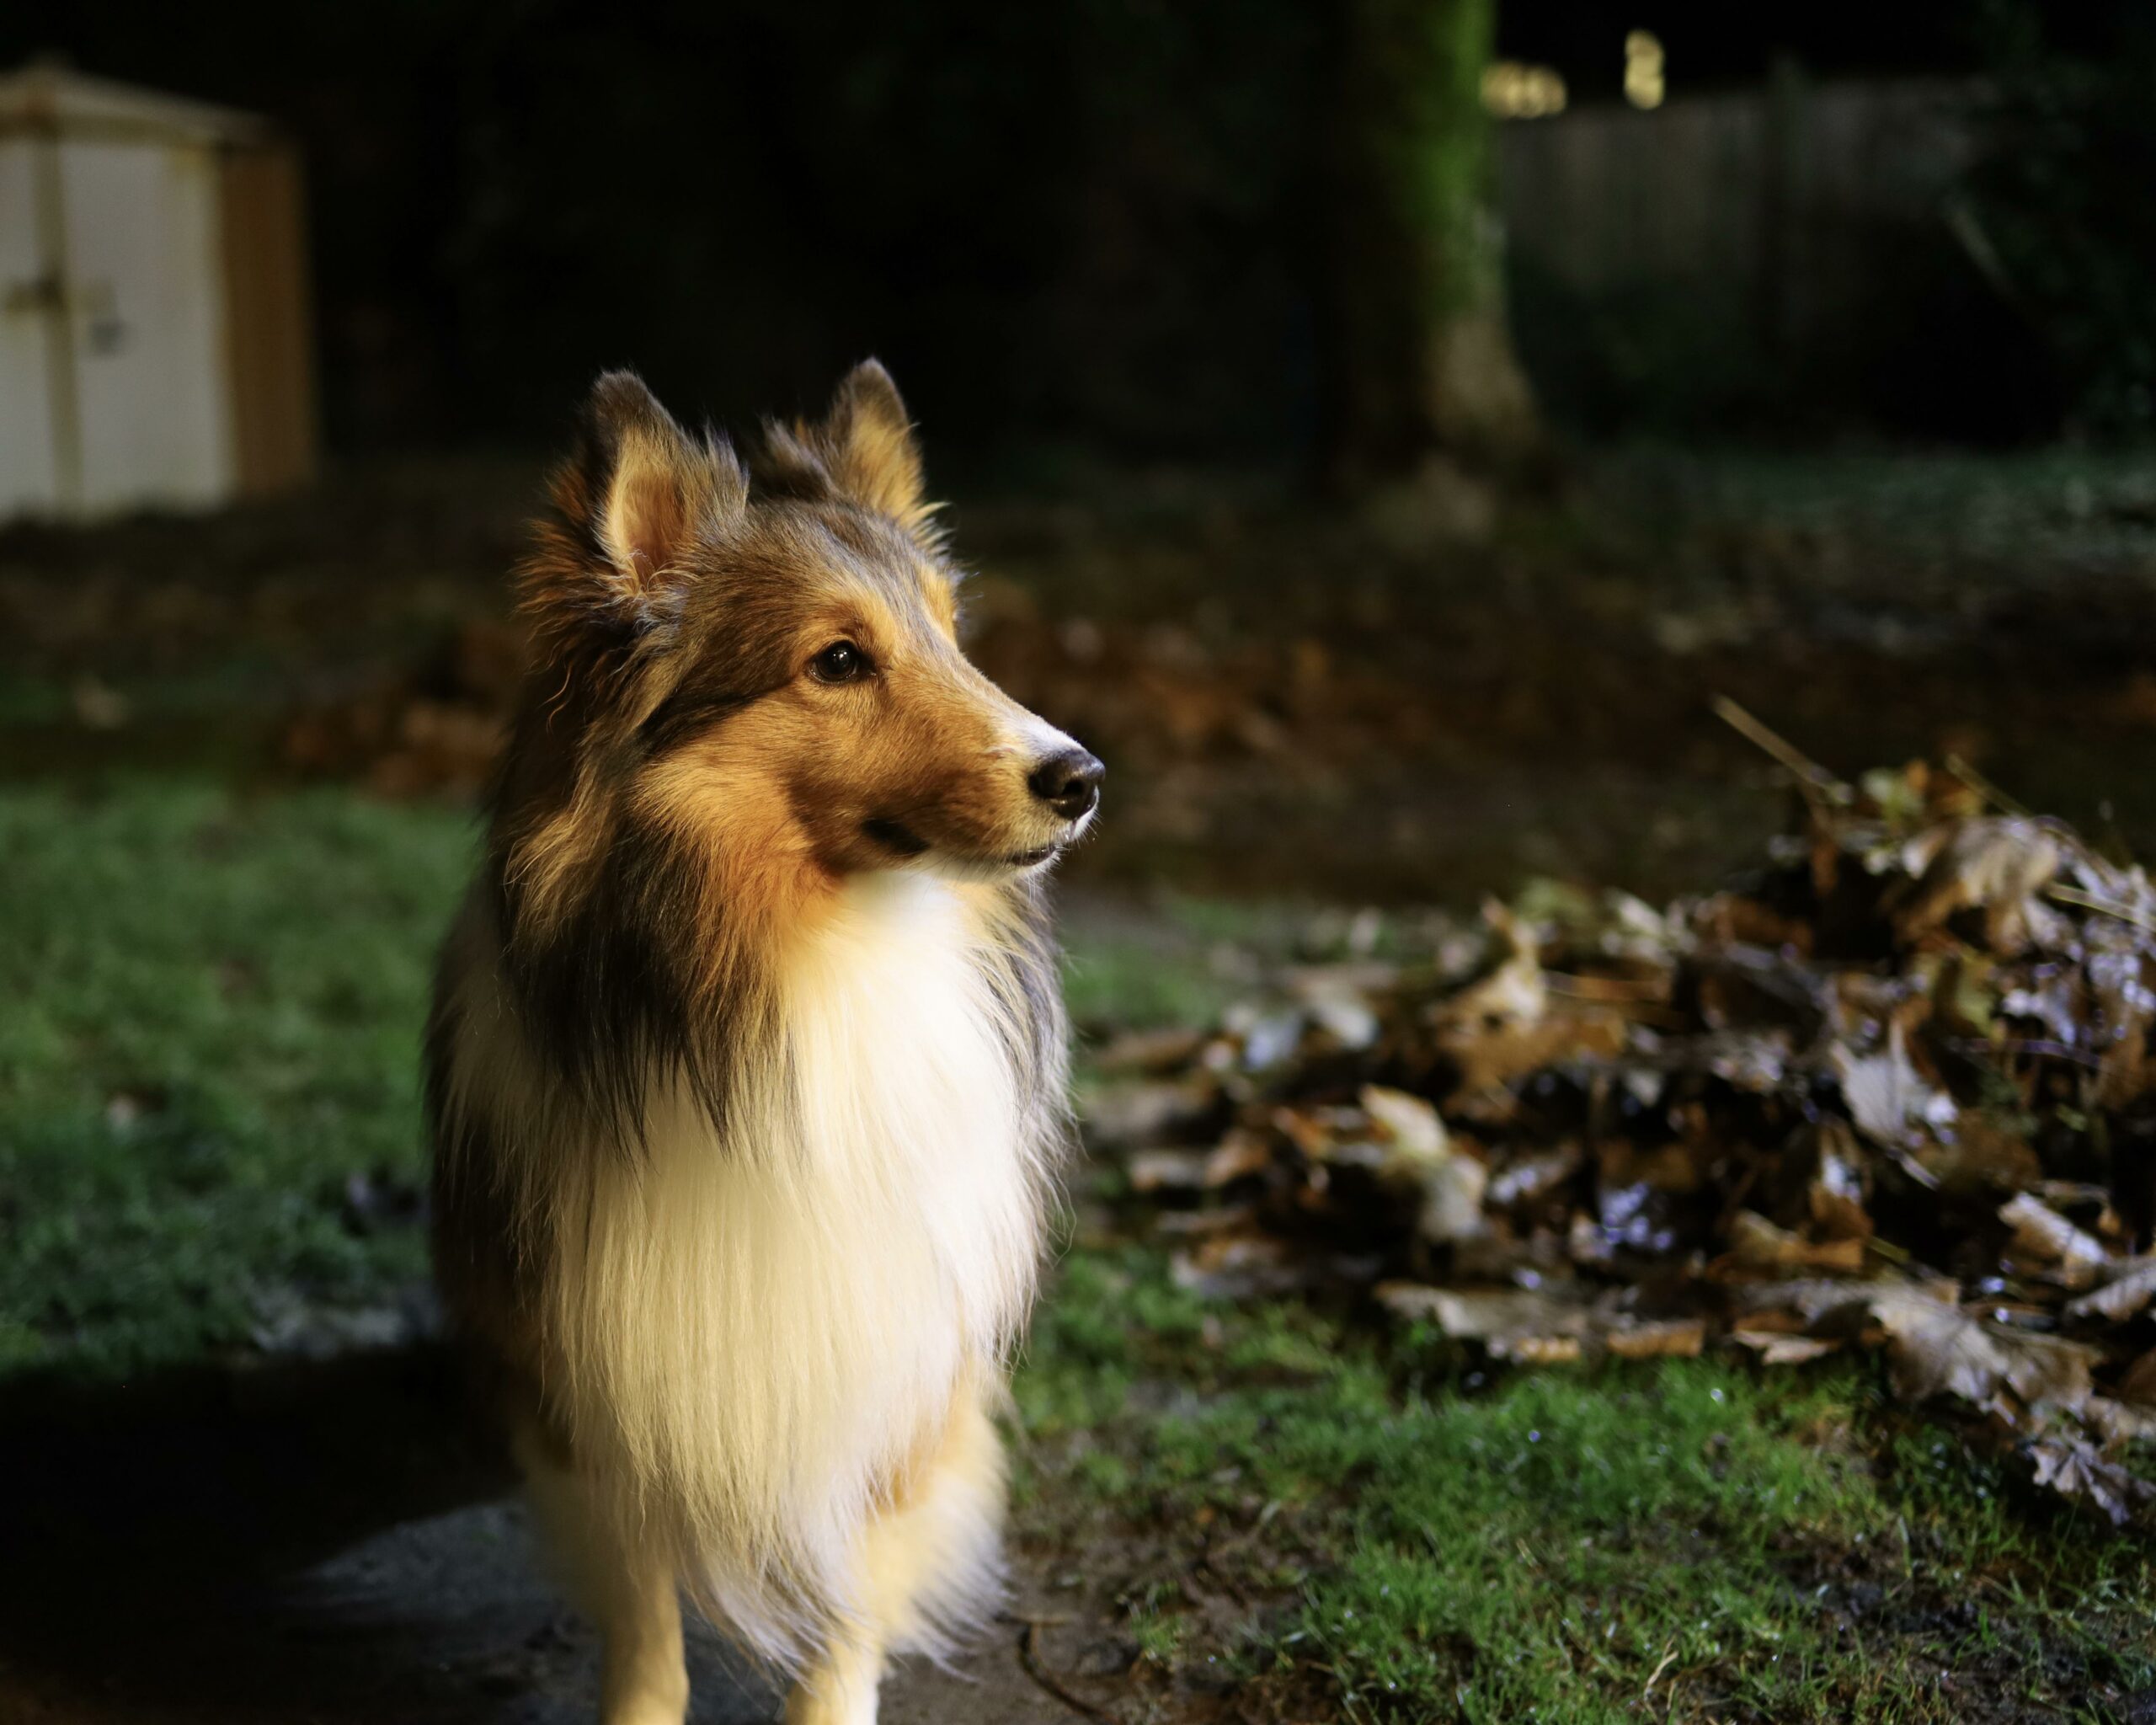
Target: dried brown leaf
(2067,1255)
(1839,1193)
(1147,1110)
(1755,1244)
(1676,1339)
(1997,863)
(1238,1156)
(1528,1178)
(1419,1151)
(1981,1157)
(1166,1171)
(2119,1422)
(2137,1382)
(1934,1349)
(1150,1052)
(1779,1347)
(2128,1290)
(1240,1266)
(1888,1097)
(1490,1058)
(1538,1350)
(1525,1324)
(2077,1469)
(1410,1126)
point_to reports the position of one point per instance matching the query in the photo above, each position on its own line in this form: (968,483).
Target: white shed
(155,348)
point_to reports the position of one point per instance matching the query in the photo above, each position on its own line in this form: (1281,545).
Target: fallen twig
(1030,1662)
(1814,778)
(1985,788)
(1978,1047)
(2089,901)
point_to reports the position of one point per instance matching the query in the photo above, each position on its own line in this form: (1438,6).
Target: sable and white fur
(746,1068)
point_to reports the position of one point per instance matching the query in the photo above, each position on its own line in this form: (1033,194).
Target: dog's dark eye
(841,662)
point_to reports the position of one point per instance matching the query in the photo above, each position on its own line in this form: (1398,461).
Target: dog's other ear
(869,448)
(631,504)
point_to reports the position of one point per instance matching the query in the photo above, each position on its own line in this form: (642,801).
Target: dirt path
(446,1620)
(323,1543)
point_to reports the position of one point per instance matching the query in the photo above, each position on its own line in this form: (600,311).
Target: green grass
(213,1023)
(1178,960)
(1685,1540)
(215,1004)
(1120,979)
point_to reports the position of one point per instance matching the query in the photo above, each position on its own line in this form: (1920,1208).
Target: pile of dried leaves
(1895,1091)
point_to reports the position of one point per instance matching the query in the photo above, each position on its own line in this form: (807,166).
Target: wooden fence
(1784,215)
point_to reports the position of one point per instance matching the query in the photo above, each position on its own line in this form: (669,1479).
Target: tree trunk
(1420,358)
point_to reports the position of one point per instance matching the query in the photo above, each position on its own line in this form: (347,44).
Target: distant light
(1514,90)
(1643,85)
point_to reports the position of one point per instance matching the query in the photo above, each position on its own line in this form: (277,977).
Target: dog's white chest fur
(763,1326)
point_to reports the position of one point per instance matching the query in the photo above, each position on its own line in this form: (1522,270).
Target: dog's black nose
(1070,782)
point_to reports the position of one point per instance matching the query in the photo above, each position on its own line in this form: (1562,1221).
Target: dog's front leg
(644,1677)
(843,1688)
(931,1556)
(626,1583)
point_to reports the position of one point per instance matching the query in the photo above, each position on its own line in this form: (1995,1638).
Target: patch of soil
(1985,1665)
(325,1543)
(445,1620)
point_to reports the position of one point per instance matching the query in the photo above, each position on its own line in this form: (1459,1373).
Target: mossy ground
(1279,1496)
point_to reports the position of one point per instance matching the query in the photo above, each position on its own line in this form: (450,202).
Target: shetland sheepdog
(746,1069)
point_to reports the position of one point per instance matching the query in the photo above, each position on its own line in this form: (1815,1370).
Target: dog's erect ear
(862,450)
(636,498)
(868,444)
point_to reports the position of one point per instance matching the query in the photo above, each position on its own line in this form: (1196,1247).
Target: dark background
(1088,225)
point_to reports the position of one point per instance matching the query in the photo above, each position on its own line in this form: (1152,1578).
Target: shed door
(28,471)
(145,311)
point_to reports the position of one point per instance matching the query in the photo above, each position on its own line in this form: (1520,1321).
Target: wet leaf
(2138,1383)
(1757,1244)
(1937,1349)
(1151,1052)
(1888,1097)
(1838,1197)
(1166,1171)
(1676,1338)
(1774,1347)
(2067,1255)
(1237,1267)
(1999,865)
(2129,1290)
(2077,1469)
(1146,1111)
(1514,1324)
(1410,1126)
(1981,1157)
